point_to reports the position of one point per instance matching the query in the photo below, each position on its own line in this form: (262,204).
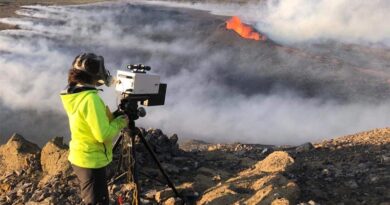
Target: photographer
(92,126)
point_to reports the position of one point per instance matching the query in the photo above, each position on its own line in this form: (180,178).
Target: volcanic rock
(173,201)
(256,186)
(173,139)
(311,202)
(203,182)
(19,154)
(170,168)
(194,145)
(54,157)
(164,147)
(278,161)
(59,189)
(281,201)
(163,195)
(150,194)
(348,170)
(305,147)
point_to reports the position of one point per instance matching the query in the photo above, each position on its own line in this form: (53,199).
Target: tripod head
(129,107)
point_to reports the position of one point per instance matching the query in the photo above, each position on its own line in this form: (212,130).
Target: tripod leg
(127,162)
(117,142)
(170,184)
(115,148)
(133,175)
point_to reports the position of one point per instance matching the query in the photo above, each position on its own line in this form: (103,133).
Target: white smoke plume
(343,20)
(295,21)
(220,88)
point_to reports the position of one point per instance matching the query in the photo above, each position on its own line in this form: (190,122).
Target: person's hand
(117,113)
(126,118)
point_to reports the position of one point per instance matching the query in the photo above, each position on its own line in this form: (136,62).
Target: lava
(243,30)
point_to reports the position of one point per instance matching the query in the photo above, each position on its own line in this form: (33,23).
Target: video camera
(137,85)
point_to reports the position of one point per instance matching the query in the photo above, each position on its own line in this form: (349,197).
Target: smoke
(221,88)
(297,21)
(342,20)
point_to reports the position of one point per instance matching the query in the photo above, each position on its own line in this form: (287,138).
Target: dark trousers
(93,185)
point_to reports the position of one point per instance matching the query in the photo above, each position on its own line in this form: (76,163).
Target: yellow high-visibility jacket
(91,129)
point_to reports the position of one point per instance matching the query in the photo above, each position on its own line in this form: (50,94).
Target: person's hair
(91,65)
(78,76)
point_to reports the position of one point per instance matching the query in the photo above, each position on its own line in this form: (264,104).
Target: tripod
(127,163)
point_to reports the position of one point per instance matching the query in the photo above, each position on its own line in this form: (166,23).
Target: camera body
(137,85)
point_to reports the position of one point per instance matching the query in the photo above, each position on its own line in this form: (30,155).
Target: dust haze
(221,88)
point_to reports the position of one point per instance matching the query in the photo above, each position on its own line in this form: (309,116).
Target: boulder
(54,157)
(150,194)
(281,201)
(19,154)
(173,201)
(263,184)
(269,189)
(223,194)
(173,139)
(160,143)
(163,195)
(277,161)
(277,187)
(305,147)
(170,168)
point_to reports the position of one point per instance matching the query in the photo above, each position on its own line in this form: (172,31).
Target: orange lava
(243,30)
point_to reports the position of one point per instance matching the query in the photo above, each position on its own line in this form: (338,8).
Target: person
(92,126)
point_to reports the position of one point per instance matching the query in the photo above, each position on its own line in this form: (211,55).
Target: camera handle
(127,161)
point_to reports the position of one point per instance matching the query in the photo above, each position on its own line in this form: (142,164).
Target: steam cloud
(220,87)
(348,21)
(294,21)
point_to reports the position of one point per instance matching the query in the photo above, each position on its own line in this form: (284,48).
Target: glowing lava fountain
(243,30)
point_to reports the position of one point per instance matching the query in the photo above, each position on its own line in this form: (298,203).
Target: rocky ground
(348,170)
